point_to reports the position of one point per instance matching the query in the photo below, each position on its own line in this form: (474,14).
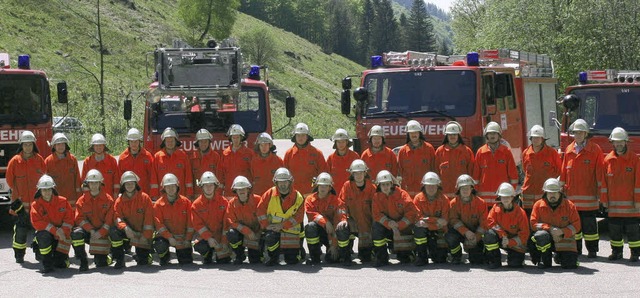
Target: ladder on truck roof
(526,63)
(413,58)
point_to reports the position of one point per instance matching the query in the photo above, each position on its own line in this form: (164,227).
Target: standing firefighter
(236,158)
(453,158)
(102,161)
(170,159)
(52,218)
(356,198)
(468,222)
(205,159)
(508,228)
(581,177)
(303,159)
(62,166)
(394,214)
(94,219)
(281,214)
(379,157)
(431,224)
(139,160)
(415,158)
(324,214)
(539,162)
(207,217)
(494,165)
(241,223)
(133,220)
(555,223)
(264,164)
(23,172)
(621,195)
(338,162)
(172,217)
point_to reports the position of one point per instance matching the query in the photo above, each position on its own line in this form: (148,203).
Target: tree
(366,28)
(404,33)
(420,30)
(385,27)
(260,47)
(467,19)
(204,16)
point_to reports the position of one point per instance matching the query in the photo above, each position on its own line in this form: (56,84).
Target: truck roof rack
(526,63)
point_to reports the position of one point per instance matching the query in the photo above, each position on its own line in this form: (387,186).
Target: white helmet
(324,179)
(98,139)
(506,190)
(492,127)
(414,126)
(27,137)
(301,128)
(552,185)
(45,182)
(129,176)
(340,134)
(619,134)
(203,134)
(452,128)
(240,182)
(282,174)
(134,135)
(94,176)
(358,165)
(169,179)
(536,131)
(264,138)
(208,178)
(465,180)
(376,130)
(384,176)
(431,178)
(235,130)
(169,132)
(579,125)
(59,138)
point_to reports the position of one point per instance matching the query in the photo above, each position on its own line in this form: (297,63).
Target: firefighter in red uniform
(23,172)
(133,220)
(432,220)
(508,229)
(494,165)
(356,198)
(303,159)
(264,164)
(581,178)
(324,214)
(415,158)
(140,161)
(453,158)
(236,158)
(555,223)
(467,222)
(204,159)
(621,195)
(241,222)
(379,157)
(281,214)
(171,159)
(339,161)
(93,219)
(172,218)
(207,217)
(62,166)
(52,218)
(539,162)
(102,161)
(394,214)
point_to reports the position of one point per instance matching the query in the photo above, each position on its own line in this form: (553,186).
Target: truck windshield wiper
(387,113)
(441,113)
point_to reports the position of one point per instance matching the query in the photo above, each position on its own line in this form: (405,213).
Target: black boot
(616,254)
(382,256)
(456,258)
(164,260)
(47,263)
(19,254)
(422,258)
(315,251)
(255,256)
(60,260)
(364,254)
(118,255)
(545,260)
(345,254)
(102,260)
(143,256)
(240,256)
(84,264)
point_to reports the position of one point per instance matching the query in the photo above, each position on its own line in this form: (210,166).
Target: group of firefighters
(422,204)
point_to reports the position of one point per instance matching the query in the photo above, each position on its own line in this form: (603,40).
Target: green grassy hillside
(59,36)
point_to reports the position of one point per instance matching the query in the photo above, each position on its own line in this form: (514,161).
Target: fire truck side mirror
(570,102)
(62,92)
(346,83)
(345,102)
(361,94)
(127,109)
(290,106)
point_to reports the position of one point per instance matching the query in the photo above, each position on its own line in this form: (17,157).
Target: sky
(443,4)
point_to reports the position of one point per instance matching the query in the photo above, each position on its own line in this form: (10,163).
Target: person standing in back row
(415,158)
(204,158)
(101,160)
(63,167)
(379,157)
(140,161)
(170,159)
(304,160)
(453,158)
(264,164)
(340,160)
(539,162)
(236,159)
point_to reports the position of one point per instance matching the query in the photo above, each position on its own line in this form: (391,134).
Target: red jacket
(451,163)
(235,164)
(304,163)
(201,163)
(357,204)
(511,224)
(564,216)
(52,215)
(492,169)
(582,176)
(398,206)
(66,173)
(338,166)
(143,165)
(207,217)
(469,216)
(325,209)
(23,175)
(177,163)
(413,163)
(95,213)
(243,217)
(174,220)
(382,160)
(621,184)
(431,211)
(108,167)
(538,167)
(262,170)
(135,213)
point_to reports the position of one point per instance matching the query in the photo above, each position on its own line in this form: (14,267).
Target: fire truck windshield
(22,98)
(607,108)
(448,93)
(215,112)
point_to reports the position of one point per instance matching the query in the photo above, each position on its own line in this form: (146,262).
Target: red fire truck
(203,88)
(25,104)
(484,86)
